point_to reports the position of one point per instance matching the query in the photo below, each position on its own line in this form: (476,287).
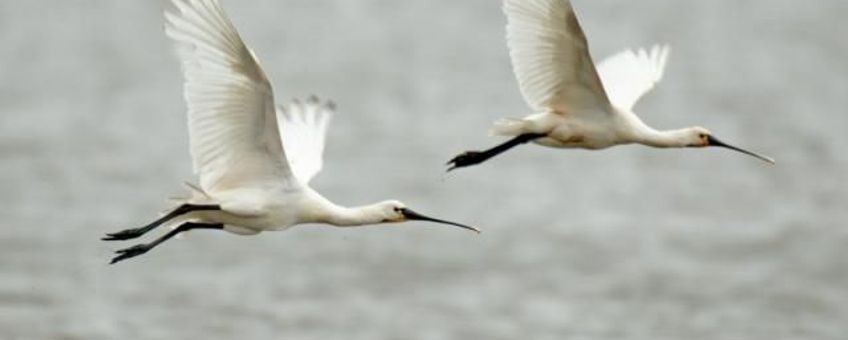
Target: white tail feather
(196,195)
(508,127)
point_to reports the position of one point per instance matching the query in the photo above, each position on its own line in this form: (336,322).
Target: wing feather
(304,130)
(550,56)
(233,130)
(629,75)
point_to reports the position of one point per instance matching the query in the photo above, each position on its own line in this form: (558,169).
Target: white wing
(629,75)
(550,57)
(232,122)
(304,128)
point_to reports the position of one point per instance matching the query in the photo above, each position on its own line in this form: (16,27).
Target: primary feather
(304,130)
(629,75)
(233,130)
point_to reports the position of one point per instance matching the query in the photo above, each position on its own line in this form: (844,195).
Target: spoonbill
(254,160)
(576,104)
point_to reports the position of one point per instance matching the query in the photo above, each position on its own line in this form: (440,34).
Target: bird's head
(698,137)
(396,212)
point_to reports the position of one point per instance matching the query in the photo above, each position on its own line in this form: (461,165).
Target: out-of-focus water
(629,243)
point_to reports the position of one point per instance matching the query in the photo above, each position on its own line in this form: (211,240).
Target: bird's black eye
(397,210)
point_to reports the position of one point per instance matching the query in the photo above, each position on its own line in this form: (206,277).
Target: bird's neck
(644,134)
(334,214)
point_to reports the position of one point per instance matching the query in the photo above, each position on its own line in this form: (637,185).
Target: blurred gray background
(629,243)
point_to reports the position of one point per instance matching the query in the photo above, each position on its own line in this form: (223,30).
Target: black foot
(467,158)
(124,235)
(130,252)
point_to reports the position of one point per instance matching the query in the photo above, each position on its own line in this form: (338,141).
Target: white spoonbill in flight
(254,160)
(577,105)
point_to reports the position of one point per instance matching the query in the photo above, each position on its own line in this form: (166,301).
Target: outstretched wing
(629,75)
(550,57)
(304,129)
(232,121)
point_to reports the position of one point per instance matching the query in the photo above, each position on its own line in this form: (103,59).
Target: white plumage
(629,75)
(254,161)
(576,105)
(550,56)
(303,127)
(232,122)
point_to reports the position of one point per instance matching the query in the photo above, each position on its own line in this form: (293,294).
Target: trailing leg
(139,249)
(470,158)
(137,232)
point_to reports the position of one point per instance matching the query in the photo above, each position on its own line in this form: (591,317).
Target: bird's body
(251,211)
(581,131)
(254,160)
(594,131)
(576,104)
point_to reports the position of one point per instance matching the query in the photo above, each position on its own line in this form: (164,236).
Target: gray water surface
(629,243)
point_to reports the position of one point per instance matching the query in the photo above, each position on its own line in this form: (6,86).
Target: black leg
(137,232)
(470,158)
(139,249)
